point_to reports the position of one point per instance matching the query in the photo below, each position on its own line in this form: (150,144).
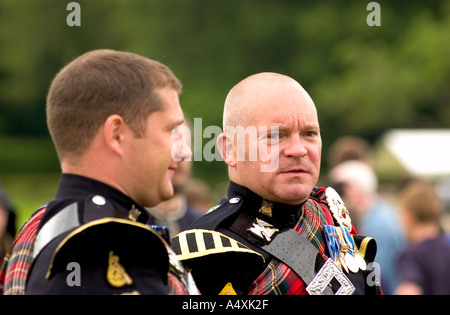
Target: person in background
(198,194)
(423,265)
(7,223)
(372,215)
(349,147)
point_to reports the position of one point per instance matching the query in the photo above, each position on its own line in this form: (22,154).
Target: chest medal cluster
(344,255)
(341,246)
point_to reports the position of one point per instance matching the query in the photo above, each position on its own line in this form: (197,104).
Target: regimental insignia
(133,214)
(338,209)
(263,230)
(116,274)
(266,208)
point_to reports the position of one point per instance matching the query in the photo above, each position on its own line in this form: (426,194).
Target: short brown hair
(421,200)
(98,84)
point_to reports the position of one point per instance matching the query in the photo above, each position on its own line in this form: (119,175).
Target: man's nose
(295,147)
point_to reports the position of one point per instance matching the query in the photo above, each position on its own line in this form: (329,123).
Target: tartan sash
(17,262)
(280,279)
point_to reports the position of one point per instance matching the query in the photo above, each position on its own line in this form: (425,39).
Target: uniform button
(99,200)
(234,200)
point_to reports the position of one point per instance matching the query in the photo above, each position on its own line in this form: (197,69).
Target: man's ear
(114,133)
(225,145)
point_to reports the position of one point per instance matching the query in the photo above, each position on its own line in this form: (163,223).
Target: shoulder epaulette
(198,243)
(109,229)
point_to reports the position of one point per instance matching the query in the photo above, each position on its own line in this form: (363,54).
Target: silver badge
(263,230)
(338,209)
(329,271)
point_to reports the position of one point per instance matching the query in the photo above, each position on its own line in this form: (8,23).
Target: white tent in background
(424,153)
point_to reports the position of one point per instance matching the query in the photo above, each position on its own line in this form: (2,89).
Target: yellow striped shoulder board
(198,243)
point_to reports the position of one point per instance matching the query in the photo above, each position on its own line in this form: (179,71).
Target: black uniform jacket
(232,258)
(93,239)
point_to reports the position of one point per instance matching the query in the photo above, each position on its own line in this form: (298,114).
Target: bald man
(276,233)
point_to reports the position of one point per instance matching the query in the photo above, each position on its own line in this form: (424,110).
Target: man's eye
(310,134)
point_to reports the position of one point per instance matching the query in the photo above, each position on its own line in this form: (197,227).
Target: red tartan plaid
(176,287)
(17,263)
(278,278)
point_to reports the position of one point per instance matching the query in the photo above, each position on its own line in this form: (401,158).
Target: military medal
(361,262)
(342,249)
(332,241)
(356,260)
(346,250)
(351,263)
(334,244)
(338,209)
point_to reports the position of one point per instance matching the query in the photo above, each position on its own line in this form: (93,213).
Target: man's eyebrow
(177,122)
(312,127)
(283,127)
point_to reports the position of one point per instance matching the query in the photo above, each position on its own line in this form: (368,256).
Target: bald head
(271,140)
(254,93)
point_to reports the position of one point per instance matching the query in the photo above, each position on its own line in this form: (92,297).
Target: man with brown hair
(110,115)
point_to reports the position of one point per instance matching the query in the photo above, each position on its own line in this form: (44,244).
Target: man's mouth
(294,171)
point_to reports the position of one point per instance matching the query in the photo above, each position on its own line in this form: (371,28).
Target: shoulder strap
(63,221)
(199,243)
(71,217)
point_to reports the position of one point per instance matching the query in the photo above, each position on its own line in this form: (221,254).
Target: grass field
(29,173)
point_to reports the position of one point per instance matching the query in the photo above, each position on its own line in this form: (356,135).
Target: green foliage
(27,155)
(363,79)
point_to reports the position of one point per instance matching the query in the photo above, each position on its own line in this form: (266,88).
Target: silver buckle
(323,278)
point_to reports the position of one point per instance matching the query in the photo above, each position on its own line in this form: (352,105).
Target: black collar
(76,188)
(283,215)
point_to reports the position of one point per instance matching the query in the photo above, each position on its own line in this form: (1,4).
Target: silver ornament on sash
(338,209)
